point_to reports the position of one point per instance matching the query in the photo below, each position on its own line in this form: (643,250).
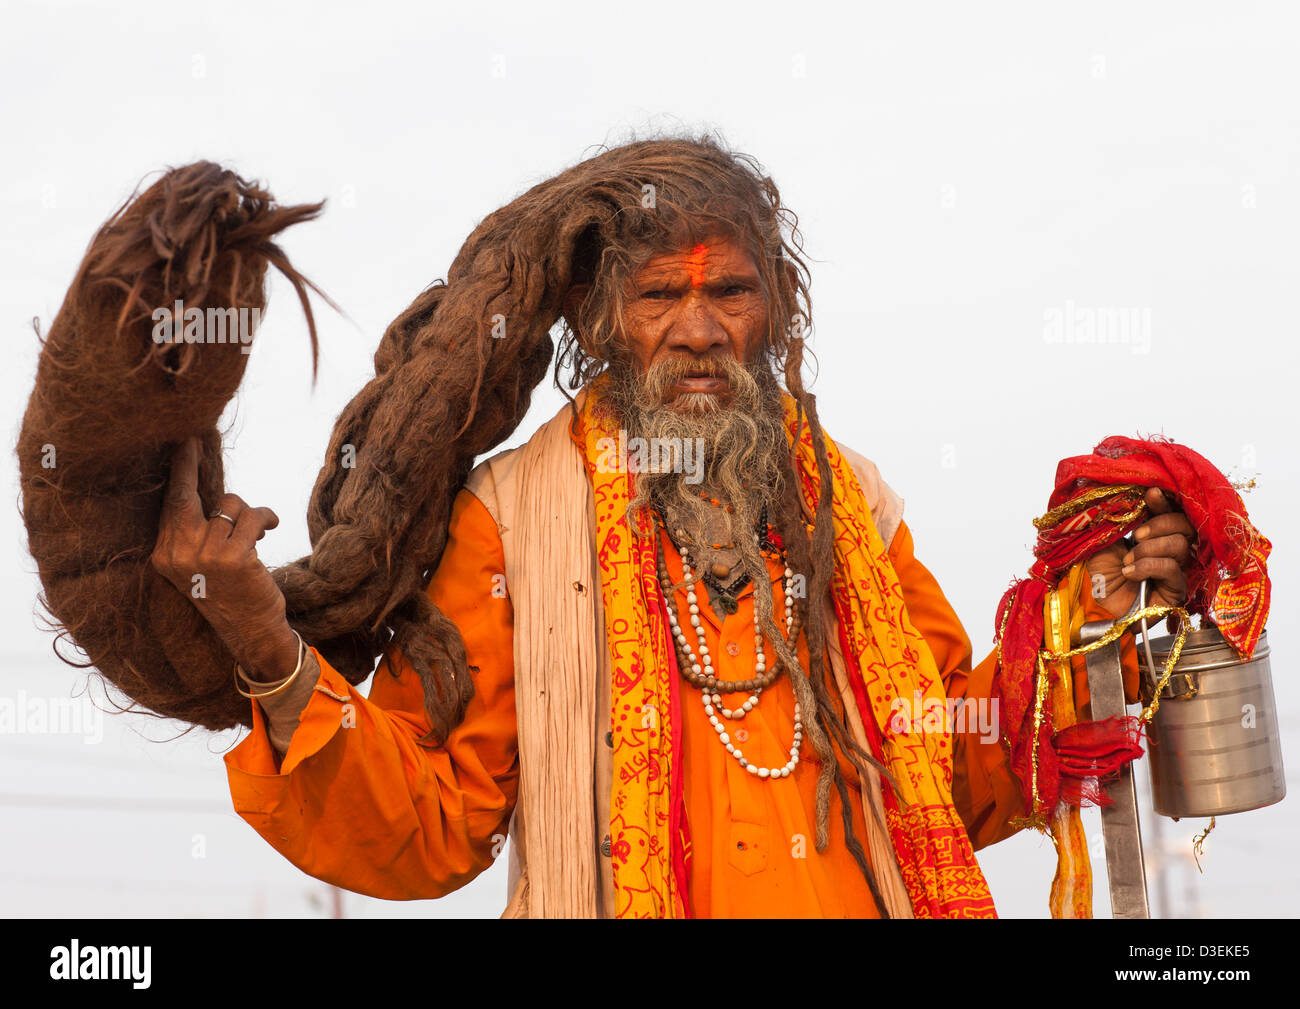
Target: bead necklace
(699,671)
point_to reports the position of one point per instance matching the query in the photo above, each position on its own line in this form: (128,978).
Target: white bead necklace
(703,665)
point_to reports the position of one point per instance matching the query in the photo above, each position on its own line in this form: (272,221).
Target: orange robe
(357,801)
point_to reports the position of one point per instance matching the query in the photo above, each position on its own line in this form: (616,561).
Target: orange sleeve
(358,800)
(985,792)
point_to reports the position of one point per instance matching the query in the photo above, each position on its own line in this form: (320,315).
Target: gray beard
(742,463)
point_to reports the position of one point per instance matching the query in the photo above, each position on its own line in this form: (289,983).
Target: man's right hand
(214,563)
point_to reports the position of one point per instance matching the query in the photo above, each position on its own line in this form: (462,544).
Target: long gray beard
(742,462)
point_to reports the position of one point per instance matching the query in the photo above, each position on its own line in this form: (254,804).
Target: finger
(252,525)
(1156,501)
(231,506)
(181,502)
(1176,546)
(1169,524)
(1163,570)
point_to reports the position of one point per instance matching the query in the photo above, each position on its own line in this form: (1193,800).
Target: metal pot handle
(1146,631)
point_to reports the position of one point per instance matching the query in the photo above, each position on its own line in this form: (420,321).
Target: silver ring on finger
(219,514)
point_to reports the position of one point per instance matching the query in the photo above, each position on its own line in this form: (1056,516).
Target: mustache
(662,375)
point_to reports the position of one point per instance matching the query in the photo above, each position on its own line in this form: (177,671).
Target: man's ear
(573,300)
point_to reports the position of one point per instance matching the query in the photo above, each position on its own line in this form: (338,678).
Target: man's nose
(695,328)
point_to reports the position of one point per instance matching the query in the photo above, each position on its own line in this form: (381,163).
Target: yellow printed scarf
(887,660)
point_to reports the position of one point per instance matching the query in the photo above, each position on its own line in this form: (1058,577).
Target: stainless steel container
(1215,746)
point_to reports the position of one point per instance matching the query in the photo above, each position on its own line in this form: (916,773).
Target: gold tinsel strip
(1078,504)
(1036,819)
(1123,624)
(1198,845)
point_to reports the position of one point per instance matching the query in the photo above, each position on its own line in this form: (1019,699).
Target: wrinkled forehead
(698,260)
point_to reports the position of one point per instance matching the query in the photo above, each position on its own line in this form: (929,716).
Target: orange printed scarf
(887,659)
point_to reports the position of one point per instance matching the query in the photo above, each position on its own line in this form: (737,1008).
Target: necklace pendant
(725,604)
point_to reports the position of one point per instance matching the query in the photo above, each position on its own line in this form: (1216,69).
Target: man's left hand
(1165,544)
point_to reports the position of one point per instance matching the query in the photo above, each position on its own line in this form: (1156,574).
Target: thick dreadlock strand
(819,586)
(855,847)
(113,400)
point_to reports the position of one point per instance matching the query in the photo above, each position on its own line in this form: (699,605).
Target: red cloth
(1227,582)
(1090,754)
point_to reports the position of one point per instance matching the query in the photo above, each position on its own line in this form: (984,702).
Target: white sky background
(960,171)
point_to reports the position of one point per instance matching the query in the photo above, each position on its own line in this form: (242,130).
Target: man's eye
(732,290)
(663,293)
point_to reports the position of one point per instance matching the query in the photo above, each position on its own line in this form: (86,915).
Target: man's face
(694,304)
(692,372)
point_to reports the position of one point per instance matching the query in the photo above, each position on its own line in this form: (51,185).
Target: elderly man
(689,618)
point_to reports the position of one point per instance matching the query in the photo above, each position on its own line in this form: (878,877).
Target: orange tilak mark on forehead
(695,264)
